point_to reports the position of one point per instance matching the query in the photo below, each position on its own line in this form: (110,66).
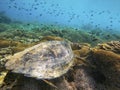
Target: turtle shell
(46,60)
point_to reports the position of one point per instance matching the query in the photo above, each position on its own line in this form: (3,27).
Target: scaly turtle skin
(46,60)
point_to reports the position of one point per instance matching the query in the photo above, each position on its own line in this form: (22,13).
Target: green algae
(28,32)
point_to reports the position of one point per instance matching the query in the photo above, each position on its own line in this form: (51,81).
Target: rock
(110,46)
(2,76)
(83,79)
(108,64)
(49,38)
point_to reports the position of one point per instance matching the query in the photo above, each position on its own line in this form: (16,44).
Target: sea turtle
(46,60)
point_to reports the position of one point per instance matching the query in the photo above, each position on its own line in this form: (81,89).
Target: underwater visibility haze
(80,34)
(97,13)
(99,19)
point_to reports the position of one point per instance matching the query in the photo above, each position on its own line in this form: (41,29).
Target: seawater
(92,21)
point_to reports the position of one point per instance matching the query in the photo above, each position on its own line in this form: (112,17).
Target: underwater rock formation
(80,49)
(50,38)
(9,47)
(83,80)
(13,45)
(6,43)
(96,68)
(108,64)
(111,46)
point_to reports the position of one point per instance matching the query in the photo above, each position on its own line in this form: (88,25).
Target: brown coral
(105,57)
(6,43)
(108,63)
(49,38)
(111,46)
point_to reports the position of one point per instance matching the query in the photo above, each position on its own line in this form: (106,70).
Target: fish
(40,15)
(9,6)
(12,0)
(35,8)
(15,6)
(95,39)
(35,0)
(30,13)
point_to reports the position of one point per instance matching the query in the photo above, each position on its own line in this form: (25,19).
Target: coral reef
(80,49)
(50,38)
(8,47)
(104,75)
(83,79)
(111,46)
(108,64)
(7,43)
(96,68)
(13,45)
(33,32)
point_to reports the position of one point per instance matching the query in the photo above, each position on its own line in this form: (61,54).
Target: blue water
(102,14)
